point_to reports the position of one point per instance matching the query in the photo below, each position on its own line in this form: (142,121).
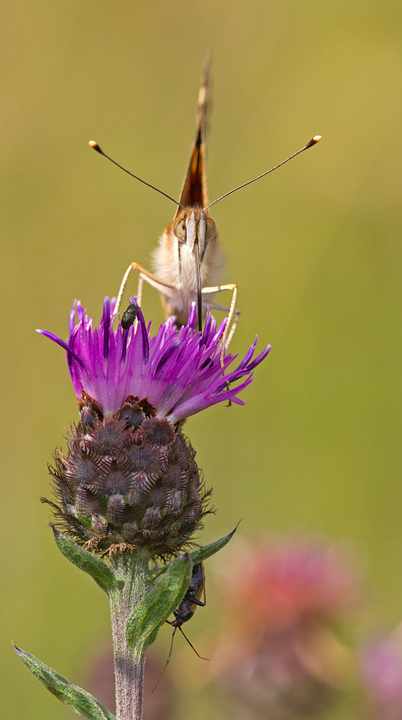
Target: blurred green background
(315,248)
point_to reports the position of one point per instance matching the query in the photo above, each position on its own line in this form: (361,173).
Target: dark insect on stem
(186,610)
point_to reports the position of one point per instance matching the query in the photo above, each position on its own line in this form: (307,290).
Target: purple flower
(178,371)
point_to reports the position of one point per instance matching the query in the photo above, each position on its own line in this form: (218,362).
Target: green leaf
(148,616)
(202,553)
(209,550)
(85,561)
(75,697)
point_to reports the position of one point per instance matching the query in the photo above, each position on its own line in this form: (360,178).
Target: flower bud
(128,478)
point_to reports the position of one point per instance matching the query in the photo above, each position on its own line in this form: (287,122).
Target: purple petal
(105,324)
(179,371)
(62,344)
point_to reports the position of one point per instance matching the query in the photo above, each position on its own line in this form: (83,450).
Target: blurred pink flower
(381,669)
(294,580)
(280,657)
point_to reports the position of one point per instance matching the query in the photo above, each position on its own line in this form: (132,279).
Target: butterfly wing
(194,191)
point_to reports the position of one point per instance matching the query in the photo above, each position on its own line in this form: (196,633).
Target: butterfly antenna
(167,661)
(192,646)
(310,144)
(98,149)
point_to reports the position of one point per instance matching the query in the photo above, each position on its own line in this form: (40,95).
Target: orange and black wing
(194,191)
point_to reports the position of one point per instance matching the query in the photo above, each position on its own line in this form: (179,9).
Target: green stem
(132,571)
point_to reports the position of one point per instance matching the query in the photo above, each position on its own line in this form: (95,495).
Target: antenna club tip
(313,141)
(93,144)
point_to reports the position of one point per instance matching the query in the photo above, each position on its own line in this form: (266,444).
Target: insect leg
(236,318)
(192,646)
(139,289)
(195,601)
(227,336)
(153,280)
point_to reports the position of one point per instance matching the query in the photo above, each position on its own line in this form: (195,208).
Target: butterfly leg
(160,285)
(139,289)
(236,318)
(233,314)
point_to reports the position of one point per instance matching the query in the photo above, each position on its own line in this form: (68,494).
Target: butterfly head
(192,225)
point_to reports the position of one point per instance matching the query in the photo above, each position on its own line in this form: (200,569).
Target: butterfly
(189,260)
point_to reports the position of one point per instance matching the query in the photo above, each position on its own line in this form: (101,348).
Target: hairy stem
(129,663)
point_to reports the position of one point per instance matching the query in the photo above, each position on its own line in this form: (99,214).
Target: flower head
(129,476)
(178,371)
(292,580)
(280,656)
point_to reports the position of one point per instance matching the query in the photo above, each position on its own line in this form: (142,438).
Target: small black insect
(129,316)
(187,608)
(191,600)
